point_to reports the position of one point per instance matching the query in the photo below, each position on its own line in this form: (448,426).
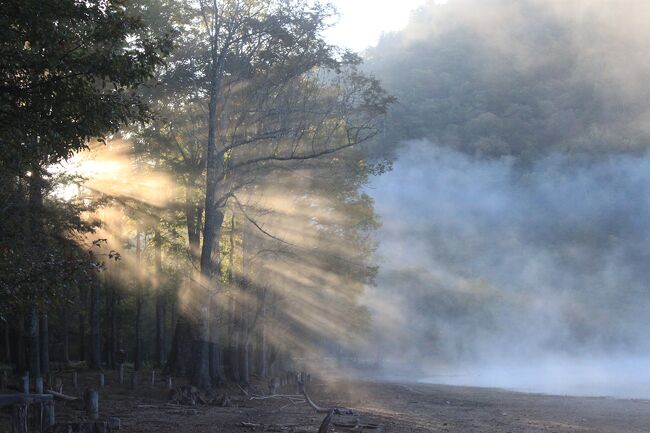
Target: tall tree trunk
(33,345)
(160,319)
(82,322)
(94,360)
(109,327)
(6,355)
(138,307)
(112,331)
(35,242)
(262,343)
(21,359)
(180,361)
(234,325)
(44,344)
(66,337)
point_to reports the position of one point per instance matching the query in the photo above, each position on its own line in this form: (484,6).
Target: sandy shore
(391,407)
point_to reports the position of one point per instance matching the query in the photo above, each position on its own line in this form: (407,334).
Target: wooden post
(91,403)
(121,373)
(58,387)
(25,384)
(75,384)
(4,380)
(38,385)
(48,415)
(153,377)
(170,384)
(19,418)
(100,380)
(114,423)
(134,380)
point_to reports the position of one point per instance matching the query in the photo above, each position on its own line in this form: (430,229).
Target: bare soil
(388,407)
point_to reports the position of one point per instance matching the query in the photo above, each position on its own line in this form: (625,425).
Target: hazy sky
(363,21)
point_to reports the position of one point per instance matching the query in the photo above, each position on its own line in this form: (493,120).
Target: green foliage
(70,73)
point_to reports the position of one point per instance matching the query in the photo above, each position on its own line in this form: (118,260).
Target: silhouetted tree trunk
(138,307)
(33,345)
(94,360)
(44,344)
(82,322)
(159,353)
(66,336)
(6,355)
(262,343)
(180,361)
(21,360)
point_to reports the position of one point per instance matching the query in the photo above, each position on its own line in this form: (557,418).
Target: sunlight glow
(362,22)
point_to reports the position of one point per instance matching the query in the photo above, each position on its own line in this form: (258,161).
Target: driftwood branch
(325,425)
(61,396)
(317,408)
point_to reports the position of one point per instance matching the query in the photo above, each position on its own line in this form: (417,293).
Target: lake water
(617,377)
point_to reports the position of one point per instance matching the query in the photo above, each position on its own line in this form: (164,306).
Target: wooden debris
(114,423)
(325,425)
(91,403)
(337,410)
(60,396)
(183,412)
(80,427)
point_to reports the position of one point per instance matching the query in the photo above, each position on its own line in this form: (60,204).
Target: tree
(70,73)
(276,94)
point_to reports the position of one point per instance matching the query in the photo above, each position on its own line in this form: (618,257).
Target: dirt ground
(383,407)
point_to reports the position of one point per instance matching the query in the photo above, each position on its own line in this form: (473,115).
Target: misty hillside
(521,78)
(515,219)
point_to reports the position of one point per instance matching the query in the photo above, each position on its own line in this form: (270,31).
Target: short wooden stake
(153,377)
(91,403)
(48,415)
(4,380)
(38,385)
(75,384)
(24,385)
(58,387)
(170,384)
(19,419)
(101,380)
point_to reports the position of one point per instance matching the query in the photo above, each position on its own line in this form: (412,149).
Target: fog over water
(531,277)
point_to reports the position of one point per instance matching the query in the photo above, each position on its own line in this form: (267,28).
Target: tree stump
(91,403)
(49,418)
(58,387)
(19,418)
(24,384)
(38,385)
